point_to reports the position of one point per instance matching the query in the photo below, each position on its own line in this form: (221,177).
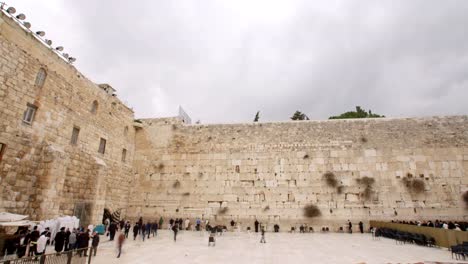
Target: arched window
(94,107)
(41,77)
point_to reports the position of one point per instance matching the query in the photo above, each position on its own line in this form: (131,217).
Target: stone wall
(271,171)
(41,173)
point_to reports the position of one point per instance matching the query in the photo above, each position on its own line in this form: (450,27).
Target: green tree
(257,116)
(359,113)
(298,115)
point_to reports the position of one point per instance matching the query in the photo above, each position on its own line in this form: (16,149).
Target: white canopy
(18,223)
(9,217)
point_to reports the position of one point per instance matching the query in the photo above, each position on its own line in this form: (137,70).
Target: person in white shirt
(187,223)
(41,244)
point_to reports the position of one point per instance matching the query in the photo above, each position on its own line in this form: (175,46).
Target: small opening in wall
(2,150)
(124,155)
(102,146)
(94,107)
(237,169)
(74,137)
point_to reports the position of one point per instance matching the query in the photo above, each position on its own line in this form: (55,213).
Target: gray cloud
(223,60)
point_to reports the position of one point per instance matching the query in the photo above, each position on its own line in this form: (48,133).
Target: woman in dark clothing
(136,228)
(175,228)
(60,240)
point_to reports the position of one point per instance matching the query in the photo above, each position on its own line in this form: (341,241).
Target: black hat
(62,228)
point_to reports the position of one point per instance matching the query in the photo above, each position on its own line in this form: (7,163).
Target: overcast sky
(224,60)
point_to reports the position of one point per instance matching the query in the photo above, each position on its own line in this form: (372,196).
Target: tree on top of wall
(257,116)
(298,115)
(359,113)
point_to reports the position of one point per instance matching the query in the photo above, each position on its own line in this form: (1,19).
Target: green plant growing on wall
(340,189)
(176,184)
(367,182)
(465,199)
(312,211)
(330,179)
(160,166)
(267,208)
(413,185)
(223,211)
(186,194)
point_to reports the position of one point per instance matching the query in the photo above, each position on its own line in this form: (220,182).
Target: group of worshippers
(26,242)
(452,225)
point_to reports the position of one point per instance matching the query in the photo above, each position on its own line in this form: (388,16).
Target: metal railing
(78,256)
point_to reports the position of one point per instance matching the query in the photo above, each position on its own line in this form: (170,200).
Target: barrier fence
(443,237)
(68,257)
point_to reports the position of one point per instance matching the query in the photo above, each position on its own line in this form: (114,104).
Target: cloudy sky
(224,60)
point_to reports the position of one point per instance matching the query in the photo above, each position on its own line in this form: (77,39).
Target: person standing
(148,229)
(127,229)
(112,230)
(120,242)
(361,227)
(94,244)
(142,230)
(67,238)
(72,240)
(41,244)
(33,244)
(187,224)
(350,227)
(60,240)
(262,240)
(136,228)
(198,223)
(175,229)
(161,222)
(256,225)
(232,224)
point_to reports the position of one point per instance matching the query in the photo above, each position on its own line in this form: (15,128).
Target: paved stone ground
(191,247)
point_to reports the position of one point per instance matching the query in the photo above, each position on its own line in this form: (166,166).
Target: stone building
(71,147)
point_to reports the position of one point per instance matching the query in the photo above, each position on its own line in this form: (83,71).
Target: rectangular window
(2,150)
(124,155)
(102,146)
(75,133)
(29,114)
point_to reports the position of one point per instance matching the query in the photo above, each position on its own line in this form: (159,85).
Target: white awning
(9,217)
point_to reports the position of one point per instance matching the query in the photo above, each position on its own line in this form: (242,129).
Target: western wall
(404,168)
(271,171)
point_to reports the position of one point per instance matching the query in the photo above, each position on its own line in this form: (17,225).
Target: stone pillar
(50,183)
(99,199)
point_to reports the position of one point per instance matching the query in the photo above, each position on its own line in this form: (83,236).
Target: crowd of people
(31,242)
(452,225)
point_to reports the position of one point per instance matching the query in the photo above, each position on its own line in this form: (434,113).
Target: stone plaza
(232,247)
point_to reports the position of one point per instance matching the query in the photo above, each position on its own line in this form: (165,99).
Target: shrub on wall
(176,184)
(367,182)
(465,199)
(330,179)
(266,208)
(311,211)
(414,185)
(223,211)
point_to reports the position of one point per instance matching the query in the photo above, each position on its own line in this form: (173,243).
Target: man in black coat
(256,225)
(60,240)
(136,228)
(83,243)
(127,229)
(112,230)
(34,236)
